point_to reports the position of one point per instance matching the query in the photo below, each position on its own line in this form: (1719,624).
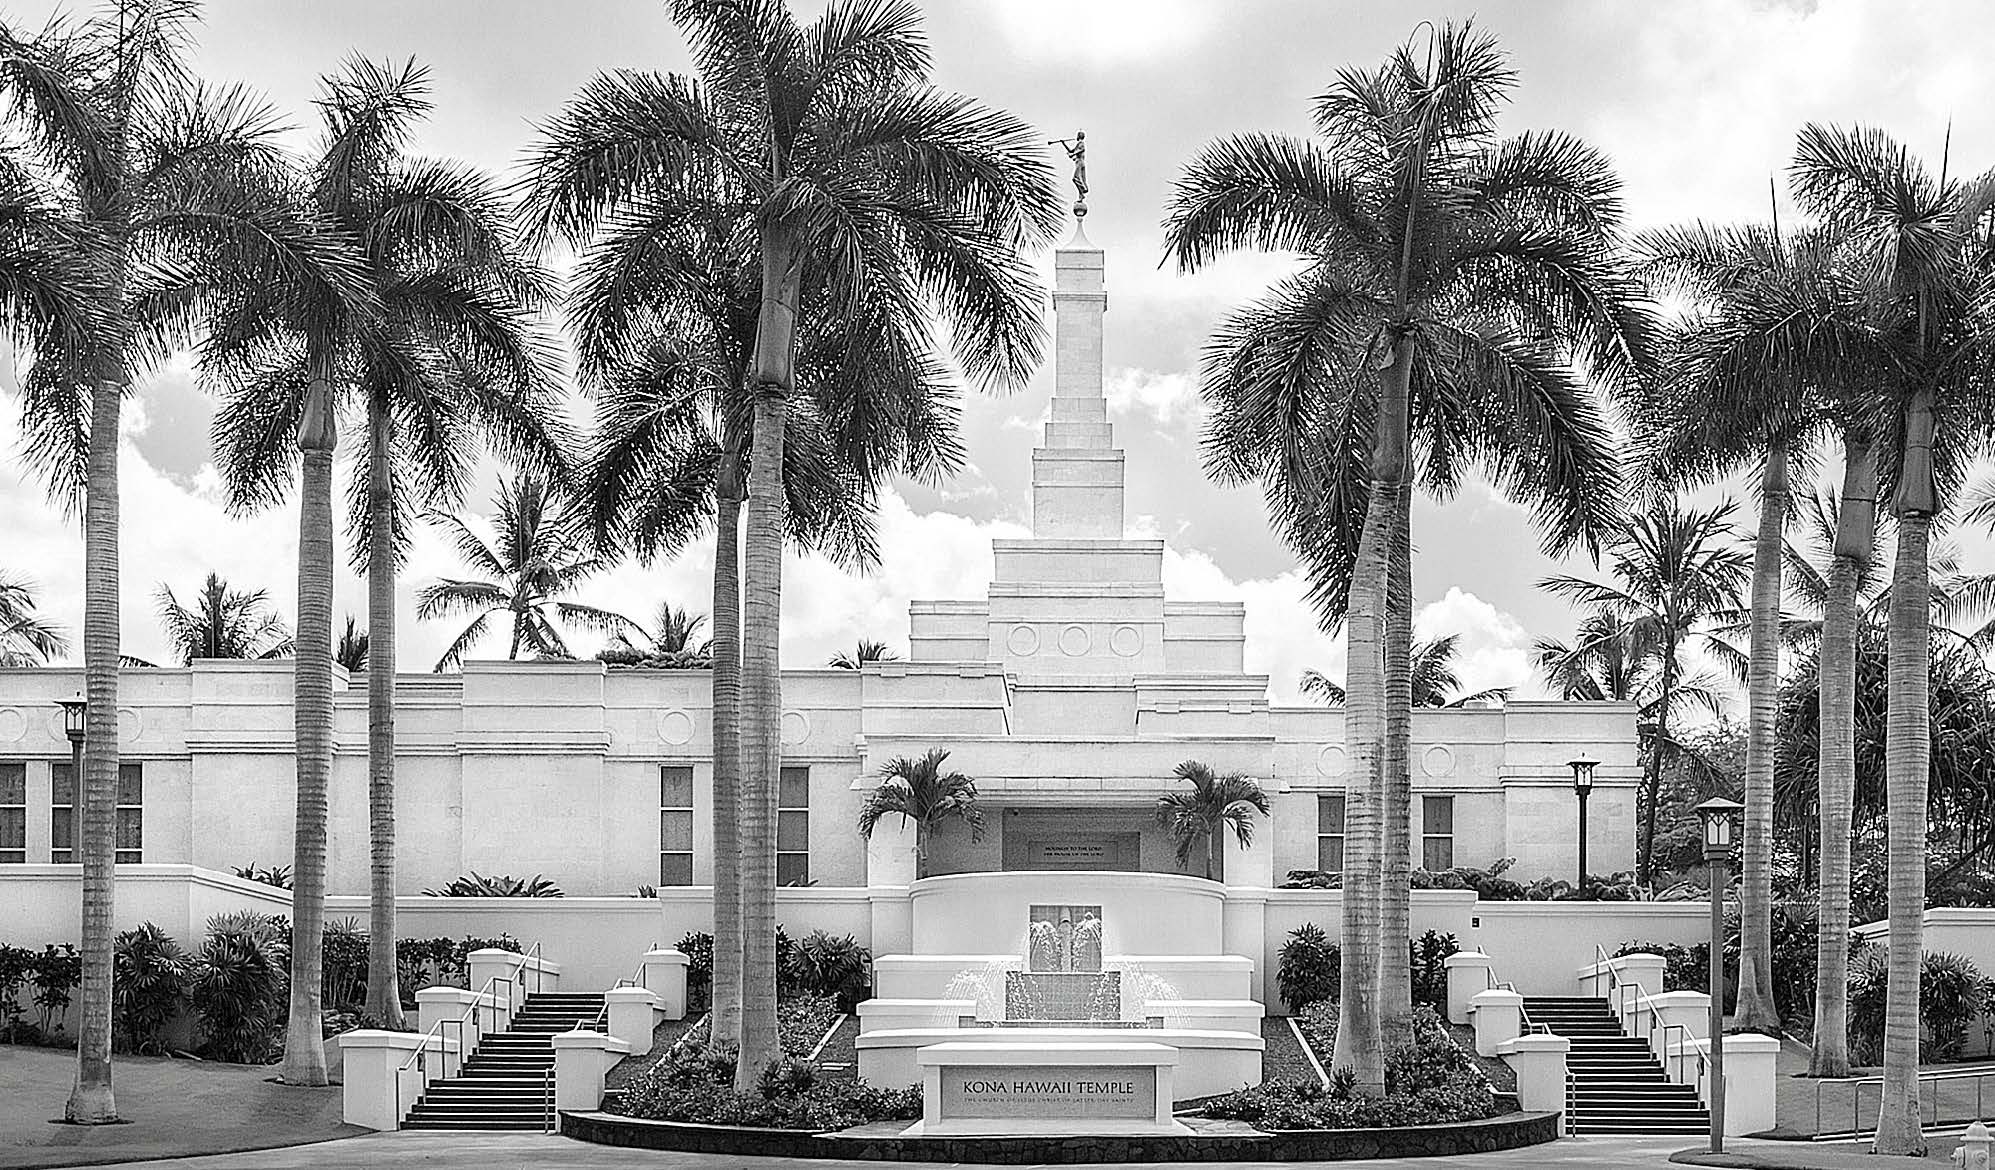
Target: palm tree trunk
(1756,1009)
(312,715)
(91,1101)
(384,989)
(519,627)
(1856,523)
(1395,868)
(1210,832)
(1652,768)
(727,748)
(772,382)
(1359,1034)
(1907,758)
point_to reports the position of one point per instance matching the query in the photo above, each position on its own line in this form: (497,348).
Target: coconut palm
(869,194)
(1431,671)
(866,651)
(1214,803)
(448,364)
(927,796)
(1455,288)
(351,652)
(26,637)
(534,560)
(671,632)
(1759,371)
(180,202)
(1920,245)
(222,623)
(1678,574)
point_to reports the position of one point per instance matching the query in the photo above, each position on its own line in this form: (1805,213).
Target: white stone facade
(1069,692)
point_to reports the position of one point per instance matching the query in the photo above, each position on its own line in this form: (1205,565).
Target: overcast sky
(1697,102)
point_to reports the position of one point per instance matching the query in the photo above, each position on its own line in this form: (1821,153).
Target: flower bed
(696,1084)
(1429,1081)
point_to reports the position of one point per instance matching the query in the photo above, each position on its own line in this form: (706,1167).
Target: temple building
(1070,692)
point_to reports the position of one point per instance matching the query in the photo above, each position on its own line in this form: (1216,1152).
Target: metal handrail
(1615,983)
(418,1059)
(1856,1096)
(549,1117)
(634,979)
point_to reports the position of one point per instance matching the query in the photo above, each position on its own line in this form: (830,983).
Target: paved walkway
(1799,1099)
(436,1151)
(172,1108)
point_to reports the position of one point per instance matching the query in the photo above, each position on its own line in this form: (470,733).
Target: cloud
(1102,32)
(1492,648)
(1168,399)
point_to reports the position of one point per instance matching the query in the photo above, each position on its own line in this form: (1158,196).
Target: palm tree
(867,651)
(869,194)
(1758,370)
(351,653)
(1451,278)
(449,356)
(1431,674)
(222,623)
(181,205)
(26,637)
(535,559)
(672,632)
(1920,245)
(927,796)
(1214,803)
(1677,574)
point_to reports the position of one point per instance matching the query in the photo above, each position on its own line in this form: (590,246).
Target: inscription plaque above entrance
(1109,851)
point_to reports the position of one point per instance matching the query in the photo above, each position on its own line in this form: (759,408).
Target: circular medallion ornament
(1126,641)
(13,725)
(1075,641)
(1330,761)
(1022,641)
(796,728)
(130,725)
(675,727)
(1438,760)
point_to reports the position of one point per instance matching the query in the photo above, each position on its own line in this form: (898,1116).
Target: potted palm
(927,796)
(1198,816)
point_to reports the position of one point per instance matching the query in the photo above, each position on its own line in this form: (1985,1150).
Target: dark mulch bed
(839,1059)
(662,1038)
(1284,1059)
(1501,1076)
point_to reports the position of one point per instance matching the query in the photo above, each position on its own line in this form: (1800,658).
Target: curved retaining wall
(1508,1132)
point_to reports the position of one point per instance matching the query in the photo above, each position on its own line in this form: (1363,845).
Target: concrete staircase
(1618,1086)
(504,1085)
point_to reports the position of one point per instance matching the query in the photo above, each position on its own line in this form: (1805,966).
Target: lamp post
(1582,786)
(1719,828)
(73,712)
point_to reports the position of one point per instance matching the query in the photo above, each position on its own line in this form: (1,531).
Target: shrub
(697,946)
(149,982)
(477,885)
(838,967)
(239,986)
(16,964)
(269,875)
(694,1083)
(1309,970)
(1428,963)
(1951,989)
(343,981)
(439,962)
(55,973)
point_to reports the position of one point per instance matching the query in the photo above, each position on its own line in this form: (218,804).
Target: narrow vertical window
(62,813)
(131,814)
(1437,832)
(675,825)
(793,828)
(1330,833)
(13,813)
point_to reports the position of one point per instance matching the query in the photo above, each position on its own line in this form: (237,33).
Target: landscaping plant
(149,983)
(837,967)
(240,984)
(1309,968)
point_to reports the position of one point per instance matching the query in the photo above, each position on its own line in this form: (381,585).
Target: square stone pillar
(379,1090)
(528,974)
(1468,976)
(1250,875)
(1677,1015)
(466,1016)
(633,1013)
(891,865)
(1540,1063)
(665,977)
(1749,1080)
(582,1060)
(1498,1017)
